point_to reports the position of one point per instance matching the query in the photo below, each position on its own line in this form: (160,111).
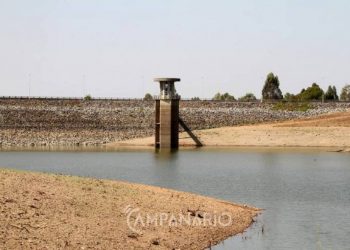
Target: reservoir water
(305,194)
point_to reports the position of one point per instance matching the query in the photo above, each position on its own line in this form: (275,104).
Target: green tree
(290,97)
(271,90)
(345,93)
(87,98)
(148,97)
(228,97)
(331,94)
(312,93)
(249,97)
(195,98)
(223,97)
(217,97)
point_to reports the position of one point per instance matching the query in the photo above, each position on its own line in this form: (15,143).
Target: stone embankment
(39,122)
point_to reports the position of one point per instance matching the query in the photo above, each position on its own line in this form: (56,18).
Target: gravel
(43,122)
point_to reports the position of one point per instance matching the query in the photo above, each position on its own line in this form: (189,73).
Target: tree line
(271,91)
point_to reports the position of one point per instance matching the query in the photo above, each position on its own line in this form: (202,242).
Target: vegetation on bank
(271,92)
(87,98)
(148,97)
(292,106)
(223,97)
(249,97)
(345,93)
(271,89)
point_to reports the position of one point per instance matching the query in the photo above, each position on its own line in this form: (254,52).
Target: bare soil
(331,120)
(46,211)
(329,131)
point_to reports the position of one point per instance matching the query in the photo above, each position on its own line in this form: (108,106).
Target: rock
(133,235)
(69,122)
(155,242)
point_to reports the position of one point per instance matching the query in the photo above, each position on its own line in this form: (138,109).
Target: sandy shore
(46,211)
(332,131)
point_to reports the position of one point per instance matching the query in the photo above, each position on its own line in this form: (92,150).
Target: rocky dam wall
(45,122)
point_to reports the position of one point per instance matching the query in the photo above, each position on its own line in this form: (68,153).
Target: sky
(114,48)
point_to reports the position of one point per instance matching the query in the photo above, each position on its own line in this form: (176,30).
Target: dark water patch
(306,195)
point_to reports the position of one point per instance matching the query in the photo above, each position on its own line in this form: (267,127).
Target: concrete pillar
(167,114)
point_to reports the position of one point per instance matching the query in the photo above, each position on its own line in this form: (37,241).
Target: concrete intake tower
(167,114)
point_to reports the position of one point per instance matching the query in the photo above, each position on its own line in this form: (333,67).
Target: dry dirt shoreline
(47,211)
(327,131)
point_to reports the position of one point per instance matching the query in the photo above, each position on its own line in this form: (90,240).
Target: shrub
(312,93)
(249,97)
(224,97)
(217,97)
(292,106)
(148,97)
(290,97)
(87,98)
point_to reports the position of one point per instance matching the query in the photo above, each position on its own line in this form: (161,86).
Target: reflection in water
(166,154)
(306,195)
(165,164)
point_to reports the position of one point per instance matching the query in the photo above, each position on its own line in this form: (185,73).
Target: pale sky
(114,48)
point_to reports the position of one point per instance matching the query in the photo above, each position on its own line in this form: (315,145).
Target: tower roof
(163,79)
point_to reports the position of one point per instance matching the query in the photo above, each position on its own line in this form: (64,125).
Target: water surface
(306,195)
